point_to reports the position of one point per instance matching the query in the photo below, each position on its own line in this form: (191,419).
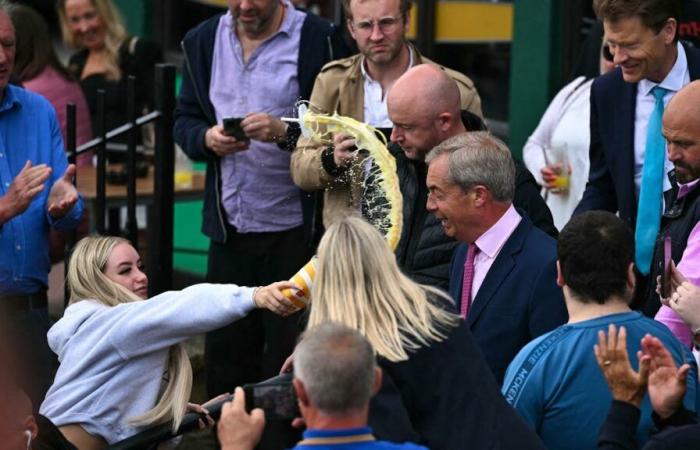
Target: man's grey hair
(478,158)
(336,364)
(7,7)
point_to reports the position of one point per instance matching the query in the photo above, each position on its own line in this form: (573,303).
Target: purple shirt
(689,266)
(258,194)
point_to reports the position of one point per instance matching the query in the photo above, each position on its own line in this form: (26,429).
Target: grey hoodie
(113,359)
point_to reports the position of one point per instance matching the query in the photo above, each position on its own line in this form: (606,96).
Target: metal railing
(160,223)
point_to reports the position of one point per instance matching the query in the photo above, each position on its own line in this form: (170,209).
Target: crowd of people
(551,303)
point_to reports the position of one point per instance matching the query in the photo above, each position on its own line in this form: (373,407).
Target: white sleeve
(540,140)
(145,326)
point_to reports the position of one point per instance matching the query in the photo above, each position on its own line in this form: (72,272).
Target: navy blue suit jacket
(611,178)
(518,300)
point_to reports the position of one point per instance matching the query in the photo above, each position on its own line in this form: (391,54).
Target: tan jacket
(339,88)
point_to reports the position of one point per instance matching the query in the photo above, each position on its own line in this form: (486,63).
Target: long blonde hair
(86,280)
(359,284)
(115,34)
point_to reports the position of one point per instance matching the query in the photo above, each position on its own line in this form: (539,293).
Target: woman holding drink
(557,151)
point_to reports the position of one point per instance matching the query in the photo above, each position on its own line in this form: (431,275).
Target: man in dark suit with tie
(627,151)
(503,273)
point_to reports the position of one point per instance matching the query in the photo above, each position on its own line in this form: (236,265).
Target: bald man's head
(681,128)
(424,106)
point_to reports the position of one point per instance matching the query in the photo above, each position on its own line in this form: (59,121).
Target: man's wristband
(328,163)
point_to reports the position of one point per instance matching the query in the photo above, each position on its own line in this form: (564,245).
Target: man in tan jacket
(357,87)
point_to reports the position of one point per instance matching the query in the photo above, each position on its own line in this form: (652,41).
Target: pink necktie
(468,280)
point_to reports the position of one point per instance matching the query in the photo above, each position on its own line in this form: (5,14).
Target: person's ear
(302,396)
(481,194)
(406,21)
(351,29)
(631,277)
(560,276)
(669,30)
(378,376)
(444,121)
(29,424)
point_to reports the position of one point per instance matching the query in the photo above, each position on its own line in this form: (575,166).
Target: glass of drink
(558,161)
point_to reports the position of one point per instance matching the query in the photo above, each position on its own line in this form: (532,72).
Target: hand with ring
(685,300)
(611,353)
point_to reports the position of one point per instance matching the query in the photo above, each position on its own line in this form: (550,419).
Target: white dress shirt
(375,108)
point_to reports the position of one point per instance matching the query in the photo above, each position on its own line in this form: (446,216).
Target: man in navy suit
(643,38)
(503,274)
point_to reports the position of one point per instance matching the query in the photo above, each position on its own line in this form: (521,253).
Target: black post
(72,159)
(101,200)
(425,36)
(131,225)
(160,244)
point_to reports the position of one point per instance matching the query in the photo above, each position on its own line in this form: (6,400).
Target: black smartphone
(275,396)
(232,127)
(666,273)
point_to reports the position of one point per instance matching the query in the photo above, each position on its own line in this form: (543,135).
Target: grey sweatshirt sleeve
(169,318)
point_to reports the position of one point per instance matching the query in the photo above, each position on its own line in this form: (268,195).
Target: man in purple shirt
(681,219)
(503,273)
(248,63)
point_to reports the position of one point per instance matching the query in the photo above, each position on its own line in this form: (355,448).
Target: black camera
(276,396)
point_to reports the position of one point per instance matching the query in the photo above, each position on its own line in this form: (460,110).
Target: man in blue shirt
(554,382)
(36,193)
(335,375)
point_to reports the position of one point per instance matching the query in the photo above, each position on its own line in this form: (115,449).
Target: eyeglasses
(385,24)
(607,54)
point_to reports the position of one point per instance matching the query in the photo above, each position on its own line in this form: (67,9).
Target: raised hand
(343,150)
(63,194)
(271,297)
(28,183)
(611,353)
(237,429)
(667,384)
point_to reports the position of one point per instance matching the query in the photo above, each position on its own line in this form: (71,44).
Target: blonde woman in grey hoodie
(122,362)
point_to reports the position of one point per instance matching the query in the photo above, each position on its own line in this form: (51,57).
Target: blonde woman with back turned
(123,366)
(437,389)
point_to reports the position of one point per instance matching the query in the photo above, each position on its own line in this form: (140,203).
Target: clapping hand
(667,384)
(28,183)
(63,194)
(611,353)
(657,371)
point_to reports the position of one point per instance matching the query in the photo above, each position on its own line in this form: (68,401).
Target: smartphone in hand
(666,269)
(276,396)
(232,127)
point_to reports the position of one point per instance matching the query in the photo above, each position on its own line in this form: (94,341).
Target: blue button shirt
(29,131)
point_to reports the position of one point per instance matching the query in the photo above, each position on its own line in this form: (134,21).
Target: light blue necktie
(651,191)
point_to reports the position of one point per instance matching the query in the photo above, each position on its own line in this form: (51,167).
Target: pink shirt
(60,91)
(490,244)
(689,266)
